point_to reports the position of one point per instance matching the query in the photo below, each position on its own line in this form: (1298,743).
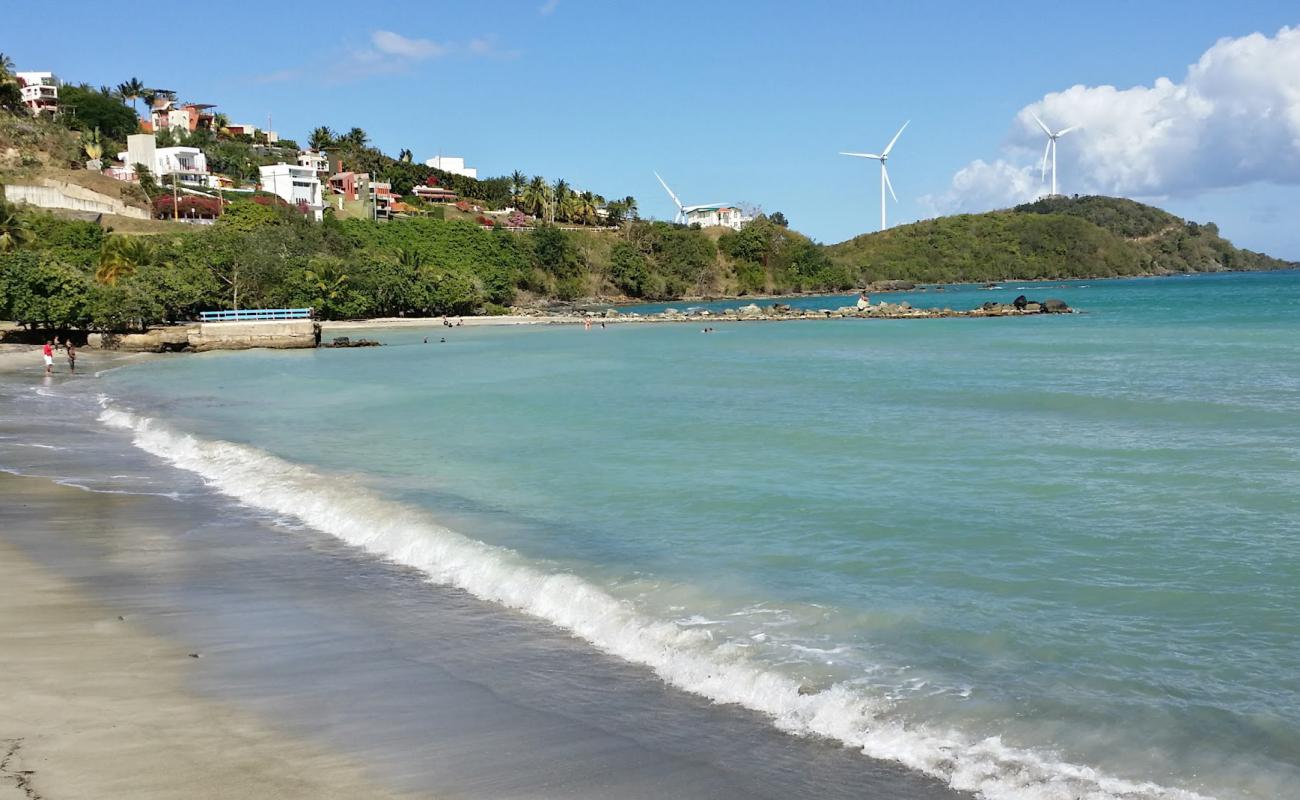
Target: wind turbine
(681,209)
(683,212)
(884,173)
(1051,148)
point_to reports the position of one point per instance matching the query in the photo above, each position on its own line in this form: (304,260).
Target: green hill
(1057,237)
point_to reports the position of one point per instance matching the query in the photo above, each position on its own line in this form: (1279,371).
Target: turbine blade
(890,146)
(670,192)
(1067,130)
(862,155)
(888,183)
(1042,176)
(1046,130)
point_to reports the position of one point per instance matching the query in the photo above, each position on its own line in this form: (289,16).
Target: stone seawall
(275,335)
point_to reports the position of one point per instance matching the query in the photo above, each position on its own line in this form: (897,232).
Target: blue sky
(750,102)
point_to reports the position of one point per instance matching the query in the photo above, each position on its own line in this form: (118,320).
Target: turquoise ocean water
(1048,557)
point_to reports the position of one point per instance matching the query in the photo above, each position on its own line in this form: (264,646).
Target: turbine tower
(680,216)
(1051,148)
(884,172)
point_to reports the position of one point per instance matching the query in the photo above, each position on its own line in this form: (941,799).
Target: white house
(40,92)
(455,166)
(187,164)
(717,216)
(315,160)
(296,185)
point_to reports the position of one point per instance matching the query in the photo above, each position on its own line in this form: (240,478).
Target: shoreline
(93,705)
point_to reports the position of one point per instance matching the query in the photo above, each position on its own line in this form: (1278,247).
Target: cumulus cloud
(1233,119)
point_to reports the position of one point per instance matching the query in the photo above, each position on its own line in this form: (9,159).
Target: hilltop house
(40,92)
(717,216)
(187,164)
(455,166)
(435,194)
(169,115)
(314,160)
(296,185)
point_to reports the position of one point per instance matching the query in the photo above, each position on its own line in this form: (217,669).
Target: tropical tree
(327,277)
(120,256)
(132,90)
(518,181)
(6,67)
(93,144)
(321,138)
(13,228)
(220,122)
(533,198)
(559,199)
(356,137)
(405,156)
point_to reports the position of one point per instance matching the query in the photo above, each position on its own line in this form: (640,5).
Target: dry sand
(93,707)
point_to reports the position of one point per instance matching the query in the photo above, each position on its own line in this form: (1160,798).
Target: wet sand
(325,673)
(92,706)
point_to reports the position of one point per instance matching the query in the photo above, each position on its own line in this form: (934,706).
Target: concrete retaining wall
(287,335)
(70,196)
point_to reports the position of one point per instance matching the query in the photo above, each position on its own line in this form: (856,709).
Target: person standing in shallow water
(72,356)
(48,353)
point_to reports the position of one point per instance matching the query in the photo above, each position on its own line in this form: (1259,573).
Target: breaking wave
(681,653)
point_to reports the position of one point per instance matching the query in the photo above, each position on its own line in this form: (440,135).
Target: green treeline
(62,273)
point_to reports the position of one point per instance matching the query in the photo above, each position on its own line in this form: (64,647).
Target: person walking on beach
(72,355)
(48,352)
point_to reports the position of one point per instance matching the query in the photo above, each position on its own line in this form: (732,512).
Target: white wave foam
(684,656)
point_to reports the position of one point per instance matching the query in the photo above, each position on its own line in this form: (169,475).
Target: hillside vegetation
(1058,237)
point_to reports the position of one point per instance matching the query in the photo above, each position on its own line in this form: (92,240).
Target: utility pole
(175,203)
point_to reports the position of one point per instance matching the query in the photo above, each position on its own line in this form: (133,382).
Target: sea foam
(683,655)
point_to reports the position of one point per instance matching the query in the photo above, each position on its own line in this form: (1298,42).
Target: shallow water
(1037,557)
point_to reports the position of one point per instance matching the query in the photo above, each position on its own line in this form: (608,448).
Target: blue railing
(254,314)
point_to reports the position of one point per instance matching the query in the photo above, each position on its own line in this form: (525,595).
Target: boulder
(1054,306)
(1020,302)
(1032,308)
(750,311)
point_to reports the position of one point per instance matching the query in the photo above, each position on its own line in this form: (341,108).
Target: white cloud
(548,8)
(395,44)
(981,185)
(390,52)
(1234,119)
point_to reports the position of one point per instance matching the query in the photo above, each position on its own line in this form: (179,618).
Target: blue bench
(255,314)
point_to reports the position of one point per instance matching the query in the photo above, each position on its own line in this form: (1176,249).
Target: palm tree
(533,196)
(321,138)
(356,137)
(13,229)
(629,203)
(6,67)
(518,181)
(587,208)
(131,90)
(120,256)
(559,199)
(327,277)
(404,156)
